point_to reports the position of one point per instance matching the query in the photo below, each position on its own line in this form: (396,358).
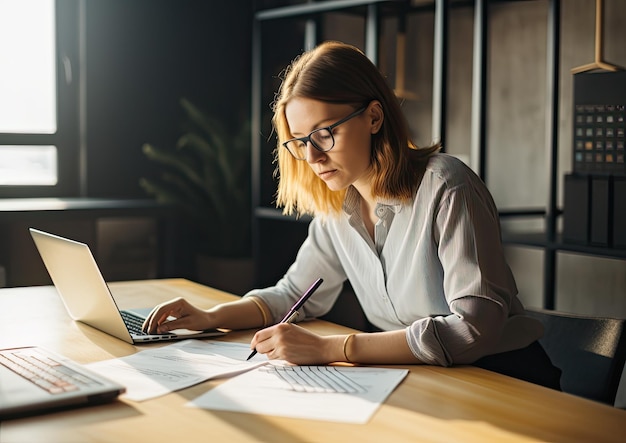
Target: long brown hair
(335,72)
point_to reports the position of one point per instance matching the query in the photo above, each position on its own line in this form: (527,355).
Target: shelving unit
(550,240)
(270,224)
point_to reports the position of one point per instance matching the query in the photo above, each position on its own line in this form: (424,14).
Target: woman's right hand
(177,314)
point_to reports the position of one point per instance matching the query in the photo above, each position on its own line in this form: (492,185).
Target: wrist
(211,319)
(346,347)
(340,348)
(262,310)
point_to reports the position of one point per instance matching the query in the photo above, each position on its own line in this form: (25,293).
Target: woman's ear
(375,115)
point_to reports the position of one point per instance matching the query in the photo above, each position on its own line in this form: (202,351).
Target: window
(28,165)
(39,129)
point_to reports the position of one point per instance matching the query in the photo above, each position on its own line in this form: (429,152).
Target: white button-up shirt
(435,268)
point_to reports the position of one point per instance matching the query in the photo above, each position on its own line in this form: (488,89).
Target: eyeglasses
(322,139)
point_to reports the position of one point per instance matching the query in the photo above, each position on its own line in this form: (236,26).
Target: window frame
(68,32)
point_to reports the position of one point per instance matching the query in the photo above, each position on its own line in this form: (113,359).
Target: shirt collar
(352,203)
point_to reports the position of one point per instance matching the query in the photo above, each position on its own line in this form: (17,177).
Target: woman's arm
(241,314)
(388,347)
(283,341)
(298,346)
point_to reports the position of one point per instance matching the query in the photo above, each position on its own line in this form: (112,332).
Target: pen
(291,314)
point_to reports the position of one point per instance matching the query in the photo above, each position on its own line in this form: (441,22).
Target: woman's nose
(313,155)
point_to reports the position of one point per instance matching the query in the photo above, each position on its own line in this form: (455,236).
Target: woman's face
(348,162)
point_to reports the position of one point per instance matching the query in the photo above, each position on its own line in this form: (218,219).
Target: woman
(415,232)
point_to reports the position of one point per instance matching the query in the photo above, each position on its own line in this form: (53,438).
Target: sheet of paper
(159,371)
(261,391)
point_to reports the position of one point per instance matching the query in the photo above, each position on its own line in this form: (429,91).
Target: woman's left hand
(286,341)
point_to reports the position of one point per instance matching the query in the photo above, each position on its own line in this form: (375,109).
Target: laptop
(35,380)
(87,296)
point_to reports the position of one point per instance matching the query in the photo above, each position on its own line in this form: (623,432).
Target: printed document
(331,393)
(159,371)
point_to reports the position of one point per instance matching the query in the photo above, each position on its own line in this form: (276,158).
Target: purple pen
(291,314)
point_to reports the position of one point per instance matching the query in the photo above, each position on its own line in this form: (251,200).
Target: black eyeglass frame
(330,128)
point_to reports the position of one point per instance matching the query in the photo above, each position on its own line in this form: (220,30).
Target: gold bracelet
(258,305)
(345,346)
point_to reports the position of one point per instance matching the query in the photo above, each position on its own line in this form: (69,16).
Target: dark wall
(142,57)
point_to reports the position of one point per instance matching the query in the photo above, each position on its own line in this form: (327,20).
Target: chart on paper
(315,379)
(349,394)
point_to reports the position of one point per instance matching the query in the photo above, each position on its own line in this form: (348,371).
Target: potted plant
(207,176)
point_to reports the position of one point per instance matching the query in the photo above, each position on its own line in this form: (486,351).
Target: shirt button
(380,211)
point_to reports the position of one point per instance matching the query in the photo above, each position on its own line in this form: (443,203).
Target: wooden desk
(432,404)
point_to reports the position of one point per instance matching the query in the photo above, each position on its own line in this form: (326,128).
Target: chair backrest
(590,351)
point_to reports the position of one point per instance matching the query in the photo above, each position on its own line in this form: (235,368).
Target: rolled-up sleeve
(477,282)
(470,332)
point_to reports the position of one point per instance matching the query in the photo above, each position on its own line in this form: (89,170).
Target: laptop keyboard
(133,322)
(42,370)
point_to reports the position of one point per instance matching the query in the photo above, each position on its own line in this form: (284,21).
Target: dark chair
(590,351)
